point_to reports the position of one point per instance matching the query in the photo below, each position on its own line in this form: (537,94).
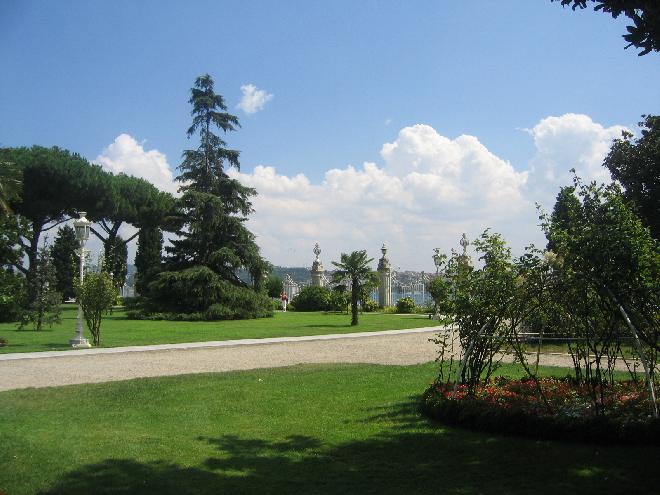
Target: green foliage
(607,247)
(115,261)
(311,298)
(96,295)
(369,306)
(340,299)
(354,267)
(201,290)
(56,184)
(636,165)
(405,305)
(148,258)
(440,290)
(12,295)
(135,201)
(11,183)
(603,261)
(211,233)
(482,304)
(44,307)
(65,260)
(274,286)
(644,33)
(12,250)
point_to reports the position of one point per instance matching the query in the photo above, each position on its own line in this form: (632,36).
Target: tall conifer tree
(214,205)
(148,258)
(65,260)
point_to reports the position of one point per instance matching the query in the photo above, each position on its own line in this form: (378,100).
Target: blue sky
(349,81)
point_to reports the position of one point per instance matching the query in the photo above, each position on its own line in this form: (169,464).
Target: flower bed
(515,407)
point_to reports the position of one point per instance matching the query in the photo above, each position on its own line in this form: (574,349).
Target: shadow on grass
(409,457)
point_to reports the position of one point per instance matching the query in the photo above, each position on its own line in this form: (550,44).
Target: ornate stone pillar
(464,258)
(318,279)
(384,280)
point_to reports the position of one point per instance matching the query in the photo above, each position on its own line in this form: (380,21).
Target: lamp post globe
(81,227)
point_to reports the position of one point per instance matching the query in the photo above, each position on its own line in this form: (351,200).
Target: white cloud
(429,190)
(566,142)
(253,99)
(126,155)
(425,193)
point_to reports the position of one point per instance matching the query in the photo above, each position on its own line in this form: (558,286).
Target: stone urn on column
(317,268)
(384,280)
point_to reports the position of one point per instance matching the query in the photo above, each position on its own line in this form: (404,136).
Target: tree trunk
(32,260)
(355,289)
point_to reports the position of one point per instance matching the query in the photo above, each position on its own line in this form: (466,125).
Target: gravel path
(398,347)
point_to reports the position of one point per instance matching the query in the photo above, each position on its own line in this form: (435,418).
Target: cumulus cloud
(566,142)
(253,99)
(125,155)
(427,191)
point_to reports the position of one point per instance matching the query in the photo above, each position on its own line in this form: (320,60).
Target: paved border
(211,344)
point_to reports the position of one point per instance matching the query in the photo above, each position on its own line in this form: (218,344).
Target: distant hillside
(299,274)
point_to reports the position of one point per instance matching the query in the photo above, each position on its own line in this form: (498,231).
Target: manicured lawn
(304,429)
(117,331)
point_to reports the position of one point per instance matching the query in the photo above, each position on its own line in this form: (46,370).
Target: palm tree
(356,267)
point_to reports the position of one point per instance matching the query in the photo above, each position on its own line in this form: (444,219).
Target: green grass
(117,331)
(304,429)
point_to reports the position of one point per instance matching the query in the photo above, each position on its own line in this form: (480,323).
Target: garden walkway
(46,369)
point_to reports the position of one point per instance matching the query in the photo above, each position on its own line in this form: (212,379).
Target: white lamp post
(82,234)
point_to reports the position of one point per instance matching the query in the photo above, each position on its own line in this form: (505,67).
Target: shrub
(311,298)
(3,342)
(369,306)
(200,294)
(339,300)
(131,303)
(12,295)
(405,305)
(274,286)
(96,294)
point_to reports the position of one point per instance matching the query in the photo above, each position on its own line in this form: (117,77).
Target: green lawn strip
(117,331)
(303,429)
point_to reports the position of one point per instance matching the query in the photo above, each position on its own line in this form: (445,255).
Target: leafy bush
(200,294)
(369,306)
(130,303)
(339,300)
(311,298)
(12,295)
(274,286)
(96,294)
(427,308)
(405,305)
